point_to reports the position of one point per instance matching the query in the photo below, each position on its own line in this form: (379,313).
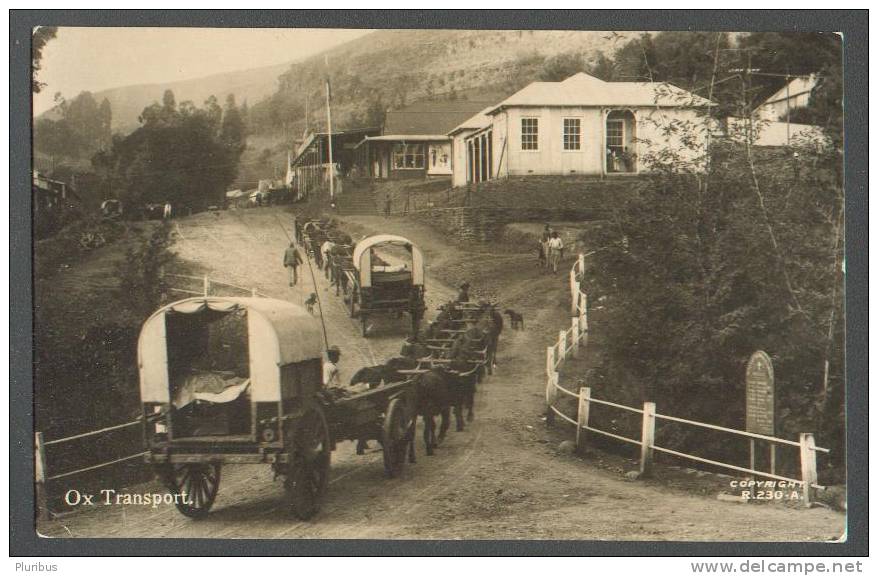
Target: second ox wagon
(376,286)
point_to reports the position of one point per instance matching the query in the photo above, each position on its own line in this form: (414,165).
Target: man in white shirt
(330,367)
(555,248)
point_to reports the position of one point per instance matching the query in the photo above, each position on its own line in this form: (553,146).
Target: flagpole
(329,131)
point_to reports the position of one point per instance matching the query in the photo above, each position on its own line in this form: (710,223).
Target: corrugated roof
(431,117)
(584,90)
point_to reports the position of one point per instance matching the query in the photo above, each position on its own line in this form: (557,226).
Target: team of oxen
(447,361)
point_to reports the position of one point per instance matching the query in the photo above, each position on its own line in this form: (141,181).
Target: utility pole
(329,131)
(789,109)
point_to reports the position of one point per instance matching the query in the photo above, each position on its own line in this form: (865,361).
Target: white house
(795,94)
(581,125)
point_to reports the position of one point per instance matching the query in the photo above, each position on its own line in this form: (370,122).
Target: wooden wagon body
(265,404)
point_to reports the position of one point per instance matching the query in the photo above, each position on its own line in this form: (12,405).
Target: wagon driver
(330,367)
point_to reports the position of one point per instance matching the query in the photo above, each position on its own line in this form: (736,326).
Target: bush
(141,280)
(701,270)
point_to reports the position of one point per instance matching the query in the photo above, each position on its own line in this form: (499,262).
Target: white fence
(42,473)
(202,286)
(568,345)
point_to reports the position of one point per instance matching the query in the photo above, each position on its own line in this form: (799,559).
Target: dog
(310,302)
(515,319)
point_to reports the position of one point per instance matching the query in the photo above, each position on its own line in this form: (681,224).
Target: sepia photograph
(430,284)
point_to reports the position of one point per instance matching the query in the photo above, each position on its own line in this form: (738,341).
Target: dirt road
(501,478)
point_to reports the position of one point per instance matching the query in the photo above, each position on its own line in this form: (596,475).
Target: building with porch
(414,142)
(309,168)
(581,125)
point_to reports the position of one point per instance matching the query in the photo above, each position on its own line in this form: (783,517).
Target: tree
(83,126)
(699,268)
(700,62)
(182,154)
(562,66)
(105,116)
(40,38)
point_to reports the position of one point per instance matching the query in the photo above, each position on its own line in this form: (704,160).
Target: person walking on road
(556,246)
(292,259)
(463,295)
(544,249)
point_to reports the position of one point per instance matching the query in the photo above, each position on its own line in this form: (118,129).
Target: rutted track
(501,478)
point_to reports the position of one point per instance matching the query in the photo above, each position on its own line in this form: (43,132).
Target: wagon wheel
(308,469)
(394,438)
(194,487)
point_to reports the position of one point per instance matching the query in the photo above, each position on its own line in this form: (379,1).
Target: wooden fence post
(808,456)
(582,415)
(562,345)
(583,327)
(574,334)
(551,380)
(40,498)
(574,293)
(206,285)
(647,438)
(550,360)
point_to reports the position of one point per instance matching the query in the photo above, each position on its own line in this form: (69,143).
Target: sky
(94,59)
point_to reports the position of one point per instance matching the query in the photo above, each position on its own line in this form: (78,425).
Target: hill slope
(127,102)
(390,68)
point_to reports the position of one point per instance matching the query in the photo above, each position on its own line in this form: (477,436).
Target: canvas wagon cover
(363,260)
(279,333)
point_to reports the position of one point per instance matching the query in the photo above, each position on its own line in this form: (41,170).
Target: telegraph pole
(329,132)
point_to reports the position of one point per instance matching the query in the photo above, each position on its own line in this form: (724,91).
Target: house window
(408,157)
(572,134)
(530,130)
(615,134)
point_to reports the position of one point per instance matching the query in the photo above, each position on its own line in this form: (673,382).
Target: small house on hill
(414,142)
(795,94)
(581,125)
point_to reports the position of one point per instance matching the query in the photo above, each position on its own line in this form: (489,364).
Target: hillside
(127,102)
(389,68)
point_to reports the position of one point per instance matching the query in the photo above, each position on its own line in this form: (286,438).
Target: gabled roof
(430,116)
(584,90)
(476,122)
(796,87)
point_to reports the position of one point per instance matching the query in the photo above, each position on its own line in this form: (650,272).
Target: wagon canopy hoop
(362,257)
(279,333)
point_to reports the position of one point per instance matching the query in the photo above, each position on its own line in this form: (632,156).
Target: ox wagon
(239,381)
(378,287)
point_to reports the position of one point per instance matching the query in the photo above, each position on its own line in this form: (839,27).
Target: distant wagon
(379,287)
(239,381)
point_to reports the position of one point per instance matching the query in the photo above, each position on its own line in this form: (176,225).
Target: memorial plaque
(760,394)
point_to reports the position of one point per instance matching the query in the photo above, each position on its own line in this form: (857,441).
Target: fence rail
(42,474)
(206,283)
(568,344)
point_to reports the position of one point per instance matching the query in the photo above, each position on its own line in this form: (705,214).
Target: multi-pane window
(615,134)
(530,131)
(408,156)
(572,134)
